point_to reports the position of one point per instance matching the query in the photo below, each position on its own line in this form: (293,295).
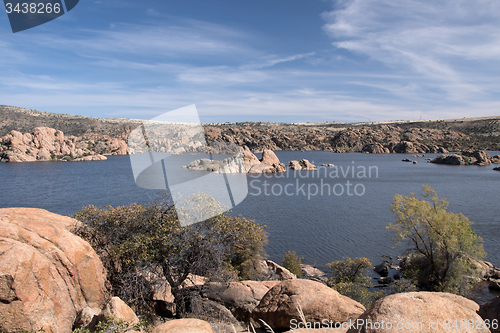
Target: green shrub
(292,262)
(402,286)
(444,246)
(349,277)
(137,241)
(114,326)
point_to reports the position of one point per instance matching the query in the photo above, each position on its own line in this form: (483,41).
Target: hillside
(381,137)
(25,120)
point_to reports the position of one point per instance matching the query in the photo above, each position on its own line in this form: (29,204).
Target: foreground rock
(421,312)
(184,326)
(467,157)
(49,277)
(117,309)
(280,306)
(310,271)
(490,311)
(269,270)
(239,297)
(248,163)
(48,144)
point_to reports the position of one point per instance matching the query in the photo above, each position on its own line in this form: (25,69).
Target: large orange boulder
(240,297)
(426,312)
(281,305)
(117,309)
(49,277)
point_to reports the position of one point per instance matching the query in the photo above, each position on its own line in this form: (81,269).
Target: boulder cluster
(247,162)
(52,280)
(244,162)
(48,144)
(303,164)
(467,157)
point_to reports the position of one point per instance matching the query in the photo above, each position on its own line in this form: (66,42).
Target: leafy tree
(292,262)
(135,242)
(444,246)
(349,278)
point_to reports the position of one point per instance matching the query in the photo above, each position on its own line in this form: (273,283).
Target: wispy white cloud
(392,60)
(17,80)
(221,75)
(153,40)
(270,61)
(444,41)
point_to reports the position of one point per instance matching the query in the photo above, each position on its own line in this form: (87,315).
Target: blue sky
(260,60)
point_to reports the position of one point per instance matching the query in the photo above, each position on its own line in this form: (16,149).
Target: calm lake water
(320,228)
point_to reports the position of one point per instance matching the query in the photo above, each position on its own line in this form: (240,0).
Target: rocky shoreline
(96,136)
(39,253)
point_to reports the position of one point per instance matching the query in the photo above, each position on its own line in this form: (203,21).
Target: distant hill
(396,136)
(25,120)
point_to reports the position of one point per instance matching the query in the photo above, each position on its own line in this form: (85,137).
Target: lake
(347,220)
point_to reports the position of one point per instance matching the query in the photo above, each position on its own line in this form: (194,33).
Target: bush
(349,278)
(444,246)
(292,262)
(115,326)
(137,242)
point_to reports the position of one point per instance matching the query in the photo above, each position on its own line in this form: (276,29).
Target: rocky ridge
(437,136)
(25,120)
(369,139)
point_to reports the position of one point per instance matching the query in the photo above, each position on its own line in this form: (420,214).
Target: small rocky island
(467,157)
(247,162)
(244,162)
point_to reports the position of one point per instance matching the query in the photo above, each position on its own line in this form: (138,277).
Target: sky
(259,60)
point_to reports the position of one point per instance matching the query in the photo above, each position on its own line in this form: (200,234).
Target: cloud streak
(441,41)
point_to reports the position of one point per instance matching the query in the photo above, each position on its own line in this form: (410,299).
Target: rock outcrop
(467,157)
(303,164)
(421,312)
(432,136)
(318,302)
(248,163)
(118,310)
(371,139)
(49,278)
(239,297)
(311,272)
(269,270)
(48,144)
(490,312)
